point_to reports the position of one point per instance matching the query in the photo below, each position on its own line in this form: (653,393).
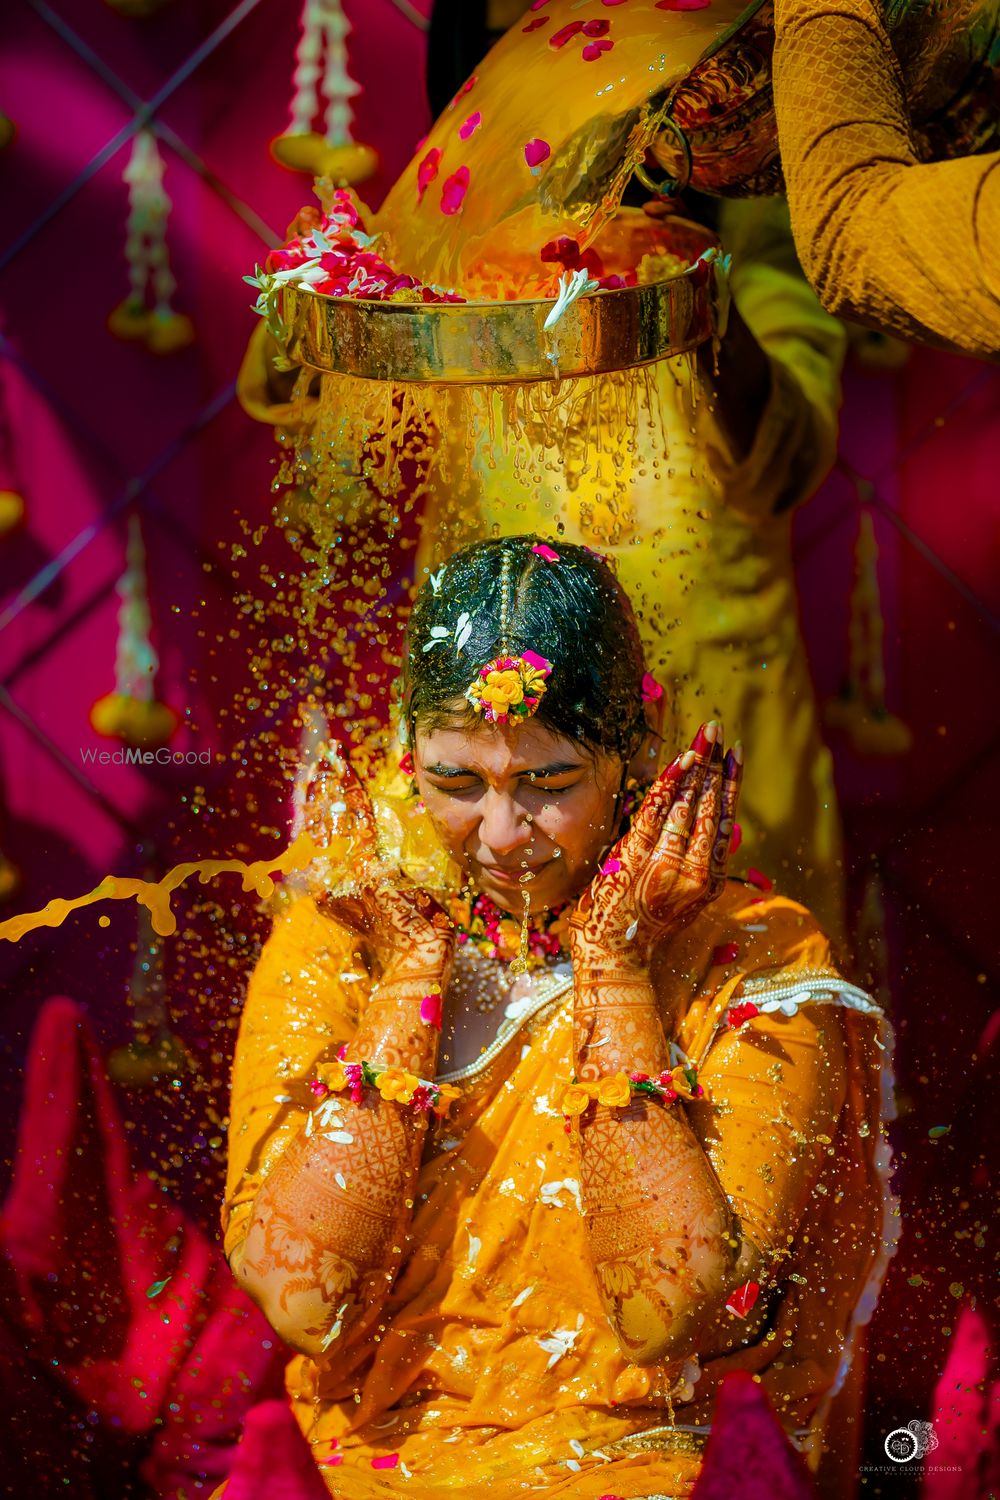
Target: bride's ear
(645,761)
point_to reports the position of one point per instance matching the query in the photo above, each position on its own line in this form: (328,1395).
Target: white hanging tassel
(160,327)
(321,66)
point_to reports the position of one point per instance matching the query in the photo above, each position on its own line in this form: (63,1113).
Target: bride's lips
(503,876)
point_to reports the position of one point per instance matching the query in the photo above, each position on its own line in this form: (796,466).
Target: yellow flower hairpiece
(509,687)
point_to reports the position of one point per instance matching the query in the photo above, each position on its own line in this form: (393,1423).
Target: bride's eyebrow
(561,768)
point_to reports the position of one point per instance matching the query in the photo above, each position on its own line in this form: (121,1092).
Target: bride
(540,1123)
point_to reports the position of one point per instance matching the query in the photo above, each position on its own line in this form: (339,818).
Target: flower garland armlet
(397,1084)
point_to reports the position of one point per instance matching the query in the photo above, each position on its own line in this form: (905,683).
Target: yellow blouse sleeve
(304,1000)
(910,247)
(796,438)
(776,1085)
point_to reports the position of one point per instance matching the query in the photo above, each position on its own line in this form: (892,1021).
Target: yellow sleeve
(912,248)
(304,1000)
(776,1085)
(796,438)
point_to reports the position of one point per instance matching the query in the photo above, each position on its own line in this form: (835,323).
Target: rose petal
(542,550)
(537,151)
(742,1299)
(387,1461)
(651,689)
(538,4)
(683,4)
(596,28)
(538,662)
(471,125)
(430,1011)
(593,50)
(736,839)
(725,953)
(562,36)
(611,867)
(759,879)
(534,25)
(454,190)
(466,86)
(427,171)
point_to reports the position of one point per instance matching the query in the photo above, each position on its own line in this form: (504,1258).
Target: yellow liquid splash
(155,894)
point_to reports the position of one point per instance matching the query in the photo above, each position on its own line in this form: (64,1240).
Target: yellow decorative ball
(134,722)
(11,510)
(312,153)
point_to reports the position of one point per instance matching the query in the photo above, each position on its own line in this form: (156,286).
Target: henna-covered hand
(670,864)
(402,925)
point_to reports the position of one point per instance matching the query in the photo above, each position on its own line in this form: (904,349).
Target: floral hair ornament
(508,688)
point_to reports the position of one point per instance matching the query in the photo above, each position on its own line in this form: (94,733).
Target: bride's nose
(503,827)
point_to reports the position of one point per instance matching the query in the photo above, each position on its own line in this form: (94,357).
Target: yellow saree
(494,1367)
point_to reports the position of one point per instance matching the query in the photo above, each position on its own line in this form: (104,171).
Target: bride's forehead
(499,750)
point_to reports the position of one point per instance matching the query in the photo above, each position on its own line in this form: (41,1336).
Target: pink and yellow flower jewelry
(616,1090)
(509,687)
(395,1084)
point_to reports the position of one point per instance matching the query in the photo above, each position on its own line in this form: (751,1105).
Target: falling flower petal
(387,1461)
(427,171)
(466,86)
(736,839)
(611,867)
(935,1133)
(596,28)
(537,151)
(742,1299)
(157,1287)
(538,662)
(454,191)
(538,4)
(683,4)
(738,1014)
(725,953)
(406,763)
(471,124)
(760,880)
(534,25)
(651,689)
(593,50)
(430,1011)
(562,36)
(541,550)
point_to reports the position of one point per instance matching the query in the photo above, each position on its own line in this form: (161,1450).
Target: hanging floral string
(131,712)
(147,312)
(860,709)
(321,68)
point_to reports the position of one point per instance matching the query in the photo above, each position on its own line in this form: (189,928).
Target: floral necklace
(483,925)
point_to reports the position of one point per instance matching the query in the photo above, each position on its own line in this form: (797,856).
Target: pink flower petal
(430,1011)
(742,1299)
(471,124)
(427,171)
(651,689)
(593,50)
(725,953)
(538,4)
(683,4)
(537,151)
(538,662)
(387,1461)
(596,28)
(562,36)
(534,25)
(454,191)
(611,867)
(736,839)
(466,86)
(760,880)
(542,550)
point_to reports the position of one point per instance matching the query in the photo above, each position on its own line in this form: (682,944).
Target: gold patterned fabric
(495,1367)
(910,247)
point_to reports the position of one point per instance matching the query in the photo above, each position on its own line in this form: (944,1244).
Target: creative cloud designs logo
(906,1444)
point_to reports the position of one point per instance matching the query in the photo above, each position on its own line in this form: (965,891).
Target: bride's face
(510,802)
